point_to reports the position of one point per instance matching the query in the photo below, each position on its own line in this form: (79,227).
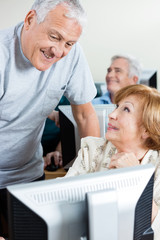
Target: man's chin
(43,67)
(112,89)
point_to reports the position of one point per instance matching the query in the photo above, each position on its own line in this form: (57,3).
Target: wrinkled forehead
(63,11)
(120,63)
(60,16)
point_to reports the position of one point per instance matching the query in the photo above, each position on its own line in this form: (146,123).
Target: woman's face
(124,129)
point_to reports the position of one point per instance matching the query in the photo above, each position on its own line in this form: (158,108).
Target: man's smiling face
(45,43)
(118,75)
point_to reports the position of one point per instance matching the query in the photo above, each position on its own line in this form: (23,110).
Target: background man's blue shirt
(104,99)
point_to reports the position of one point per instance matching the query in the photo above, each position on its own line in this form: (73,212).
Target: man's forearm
(89,127)
(87,121)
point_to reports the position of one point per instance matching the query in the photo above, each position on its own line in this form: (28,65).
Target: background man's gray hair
(135,67)
(75,9)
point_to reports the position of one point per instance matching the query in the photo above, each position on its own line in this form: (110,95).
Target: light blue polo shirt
(27,97)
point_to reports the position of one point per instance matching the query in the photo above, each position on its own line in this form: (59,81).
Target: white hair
(75,10)
(135,67)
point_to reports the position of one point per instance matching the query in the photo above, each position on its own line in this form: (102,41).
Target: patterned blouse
(95,155)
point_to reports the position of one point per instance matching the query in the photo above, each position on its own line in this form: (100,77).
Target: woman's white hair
(135,67)
(75,9)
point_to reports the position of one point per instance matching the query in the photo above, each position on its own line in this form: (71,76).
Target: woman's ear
(29,19)
(145,134)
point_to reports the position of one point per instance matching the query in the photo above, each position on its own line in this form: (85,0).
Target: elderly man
(40,61)
(124,70)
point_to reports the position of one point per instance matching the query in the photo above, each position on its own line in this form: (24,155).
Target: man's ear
(135,79)
(29,19)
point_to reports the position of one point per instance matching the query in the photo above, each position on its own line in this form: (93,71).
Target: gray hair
(135,67)
(75,10)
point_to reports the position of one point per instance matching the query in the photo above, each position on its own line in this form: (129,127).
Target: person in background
(51,146)
(124,70)
(51,141)
(132,138)
(41,60)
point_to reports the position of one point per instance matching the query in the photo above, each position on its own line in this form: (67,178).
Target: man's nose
(59,50)
(110,74)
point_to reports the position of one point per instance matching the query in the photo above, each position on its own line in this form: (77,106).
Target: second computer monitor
(70,139)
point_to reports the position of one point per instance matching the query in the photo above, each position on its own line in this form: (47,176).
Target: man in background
(124,70)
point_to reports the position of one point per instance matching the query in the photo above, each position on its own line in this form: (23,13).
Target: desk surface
(60,172)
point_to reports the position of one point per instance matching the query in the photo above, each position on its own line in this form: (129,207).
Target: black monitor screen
(67,131)
(149,78)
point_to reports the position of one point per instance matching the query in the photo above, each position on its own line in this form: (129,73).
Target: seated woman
(132,138)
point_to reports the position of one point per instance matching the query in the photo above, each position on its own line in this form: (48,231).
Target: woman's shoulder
(96,142)
(153,156)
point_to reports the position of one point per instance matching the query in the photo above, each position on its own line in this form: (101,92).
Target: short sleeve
(80,88)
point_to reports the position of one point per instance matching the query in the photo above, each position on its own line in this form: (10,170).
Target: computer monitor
(70,139)
(112,205)
(149,78)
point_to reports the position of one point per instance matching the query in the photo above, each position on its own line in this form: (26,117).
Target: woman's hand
(123,159)
(154,210)
(57,159)
(1,238)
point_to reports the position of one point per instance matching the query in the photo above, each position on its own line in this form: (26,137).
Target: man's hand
(54,116)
